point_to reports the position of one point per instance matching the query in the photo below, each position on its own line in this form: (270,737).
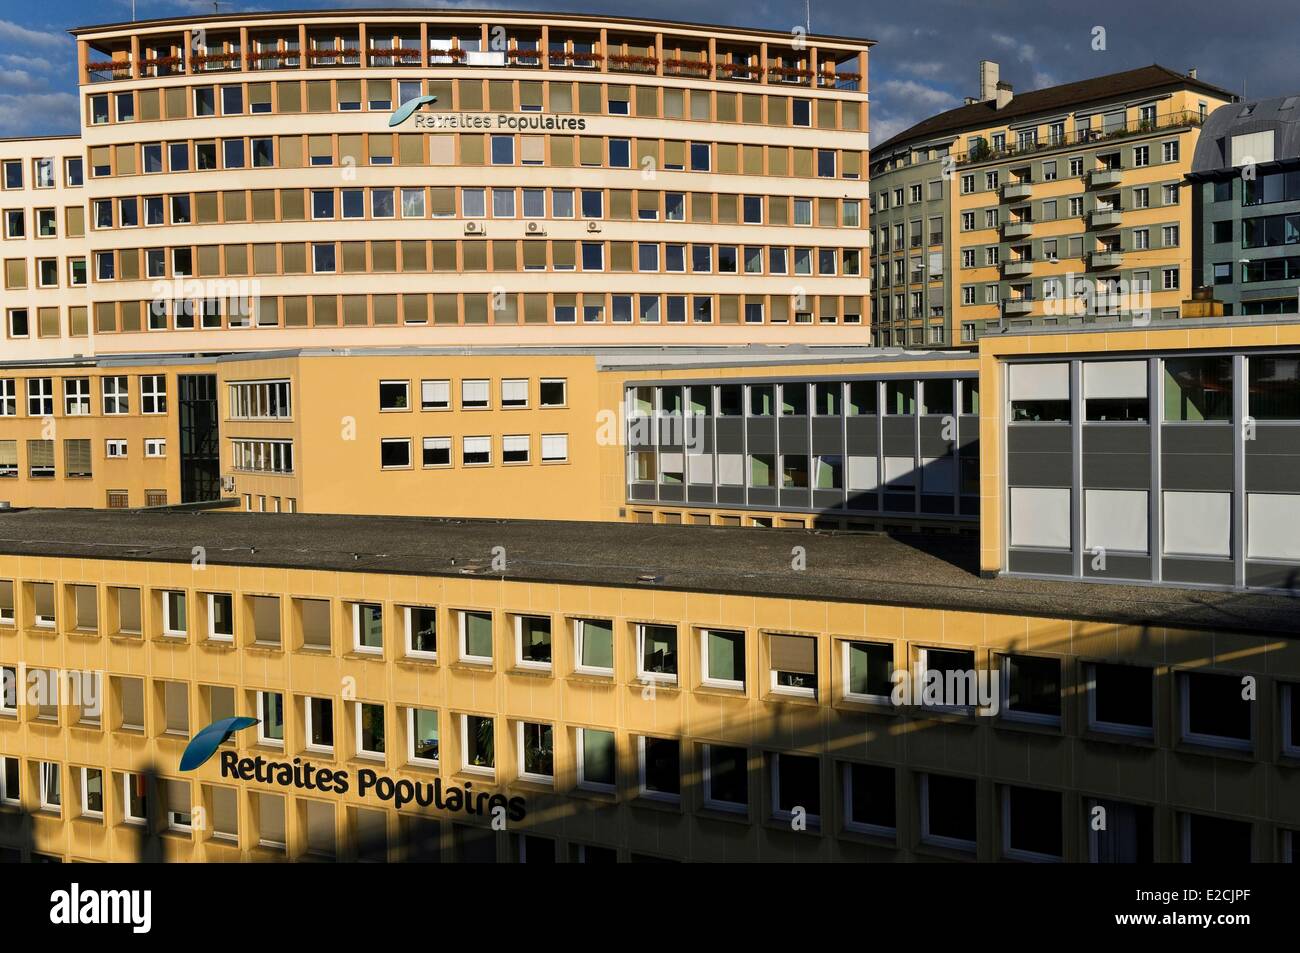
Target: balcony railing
(1017,229)
(1017,267)
(1106,258)
(1099,178)
(1105,217)
(1017,190)
(1079,137)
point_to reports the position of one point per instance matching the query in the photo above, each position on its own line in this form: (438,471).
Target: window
(725,778)
(155,447)
(1121,699)
(868,672)
(870,800)
(597,762)
(656,647)
(394,395)
(1215,840)
(503,150)
(514,393)
(422,736)
(593,646)
(1031,689)
(659,774)
(221,617)
(1040,392)
(1215,710)
(476,451)
(421,625)
(436,452)
(474,395)
(435,395)
(10,780)
(948,812)
(175,623)
(92,792)
(793,665)
(1115,520)
(40,397)
(271,719)
(1128,835)
(533,642)
(478,744)
(555,448)
(395,453)
(368,627)
(950,678)
(318,724)
(153,394)
(370,730)
(722,658)
(536,743)
(476,637)
(796,787)
(51,792)
(553,392)
(1032,826)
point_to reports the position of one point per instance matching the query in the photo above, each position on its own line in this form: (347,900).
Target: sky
(926,61)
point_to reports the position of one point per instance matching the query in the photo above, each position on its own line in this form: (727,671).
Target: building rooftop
(1053,99)
(1279,115)
(935,572)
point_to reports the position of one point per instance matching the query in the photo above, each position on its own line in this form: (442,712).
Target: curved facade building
(565,180)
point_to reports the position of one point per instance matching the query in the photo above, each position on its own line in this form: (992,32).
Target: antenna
(807,16)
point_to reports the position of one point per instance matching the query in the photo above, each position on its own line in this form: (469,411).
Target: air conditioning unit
(593,226)
(475,228)
(227,484)
(535,228)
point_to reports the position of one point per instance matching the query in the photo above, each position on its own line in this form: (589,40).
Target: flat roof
(933,572)
(406,13)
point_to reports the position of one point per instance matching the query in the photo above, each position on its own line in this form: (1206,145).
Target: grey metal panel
(900,436)
(731,495)
(671,431)
(1197,438)
(968,431)
(795,498)
(1117,471)
(762,496)
(1039,469)
(1051,564)
(1272,577)
(862,436)
(1274,438)
(794,434)
(640,438)
(731,434)
(698,432)
(826,499)
(1119,567)
(761,435)
(671,491)
(1040,438)
(642,491)
(868,502)
(1199,571)
(1116,438)
(701,440)
(1272,472)
(1196,471)
(698,493)
(827,434)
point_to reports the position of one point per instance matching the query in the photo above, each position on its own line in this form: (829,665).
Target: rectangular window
(536,743)
(221,617)
(421,625)
(868,672)
(593,646)
(478,744)
(370,730)
(1216,710)
(475,637)
(949,815)
(793,665)
(1031,689)
(725,778)
(368,627)
(659,773)
(722,659)
(656,648)
(796,784)
(597,761)
(870,805)
(422,736)
(1121,699)
(533,642)
(318,724)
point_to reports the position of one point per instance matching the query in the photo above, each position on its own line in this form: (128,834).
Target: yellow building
(1055,207)
(587,693)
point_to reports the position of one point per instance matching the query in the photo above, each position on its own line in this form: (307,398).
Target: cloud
(13,33)
(908,92)
(38,114)
(929,69)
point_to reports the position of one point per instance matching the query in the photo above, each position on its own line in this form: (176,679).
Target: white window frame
(663,678)
(479,769)
(641,790)
(357,646)
(846,647)
(774,766)
(45,803)
(308,744)
(5,796)
(127,816)
(858,827)
(706,782)
(519,746)
(167,631)
(580,758)
(410,738)
(722,683)
(519,643)
(366,753)
(579,630)
(213,634)
(86,810)
(155,447)
(409,633)
(262,737)
(938,840)
(1187,736)
(1012,853)
(1004,691)
(463,632)
(1111,727)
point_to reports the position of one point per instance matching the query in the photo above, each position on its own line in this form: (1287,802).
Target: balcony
(1021,305)
(1017,190)
(1081,137)
(1020,229)
(1017,267)
(1099,178)
(1107,258)
(1104,217)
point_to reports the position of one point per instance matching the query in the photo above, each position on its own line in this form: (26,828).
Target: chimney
(1003,95)
(988,80)
(1191,73)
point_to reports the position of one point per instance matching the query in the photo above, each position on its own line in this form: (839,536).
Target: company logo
(76,906)
(404,111)
(204,745)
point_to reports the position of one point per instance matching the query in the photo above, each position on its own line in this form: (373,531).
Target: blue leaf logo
(204,745)
(404,111)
